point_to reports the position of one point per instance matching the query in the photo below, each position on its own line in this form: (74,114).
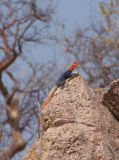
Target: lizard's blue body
(63,77)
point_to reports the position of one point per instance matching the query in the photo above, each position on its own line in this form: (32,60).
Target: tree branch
(8,62)
(3,88)
(5,41)
(17,145)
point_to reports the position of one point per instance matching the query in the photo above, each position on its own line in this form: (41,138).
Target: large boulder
(77,125)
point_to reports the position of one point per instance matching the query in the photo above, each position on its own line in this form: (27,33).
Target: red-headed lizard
(59,82)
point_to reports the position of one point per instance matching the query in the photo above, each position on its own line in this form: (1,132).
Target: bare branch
(26,28)
(5,41)
(18,142)
(7,63)
(3,88)
(39,144)
(17,145)
(11,76)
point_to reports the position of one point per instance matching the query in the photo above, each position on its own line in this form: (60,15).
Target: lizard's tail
(48,97)
(46,101)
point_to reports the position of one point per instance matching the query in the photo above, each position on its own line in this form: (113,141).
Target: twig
(40,132)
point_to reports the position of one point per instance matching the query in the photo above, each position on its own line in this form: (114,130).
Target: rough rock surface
(111,99)
(77,126)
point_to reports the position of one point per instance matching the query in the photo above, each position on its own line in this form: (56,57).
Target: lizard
(59,82)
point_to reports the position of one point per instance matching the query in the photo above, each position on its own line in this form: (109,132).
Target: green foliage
(103,10)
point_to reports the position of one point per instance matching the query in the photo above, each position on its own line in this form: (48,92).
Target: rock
(77,126)
(111,99)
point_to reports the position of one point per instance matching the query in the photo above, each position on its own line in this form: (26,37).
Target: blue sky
(77,12)
(71,13)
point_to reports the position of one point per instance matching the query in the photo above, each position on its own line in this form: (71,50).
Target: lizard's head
(73,66)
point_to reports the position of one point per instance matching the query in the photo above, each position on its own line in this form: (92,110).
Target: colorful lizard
(59,82)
